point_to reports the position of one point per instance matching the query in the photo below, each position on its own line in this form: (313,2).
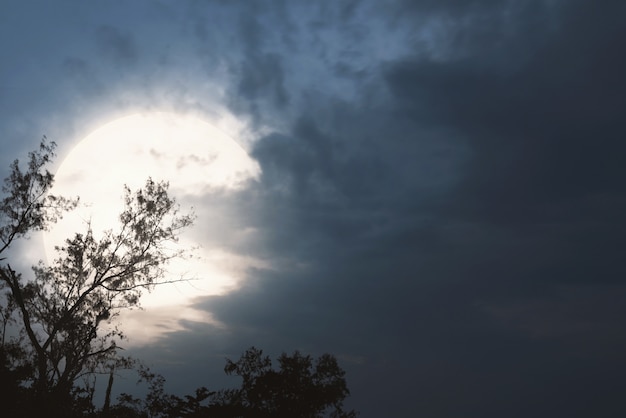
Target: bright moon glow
(193,156)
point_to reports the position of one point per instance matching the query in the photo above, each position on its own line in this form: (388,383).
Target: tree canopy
(59,309)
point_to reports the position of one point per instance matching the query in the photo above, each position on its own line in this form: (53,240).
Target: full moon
(195,157)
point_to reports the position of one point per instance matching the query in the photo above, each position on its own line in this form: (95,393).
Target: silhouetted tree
(156,404)
(302,387)
(61,307)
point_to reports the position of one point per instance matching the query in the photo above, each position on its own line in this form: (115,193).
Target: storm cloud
(441,199)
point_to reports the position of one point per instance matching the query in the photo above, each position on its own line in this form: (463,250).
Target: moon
(195,157)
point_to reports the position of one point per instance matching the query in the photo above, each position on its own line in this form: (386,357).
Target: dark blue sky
(443,187)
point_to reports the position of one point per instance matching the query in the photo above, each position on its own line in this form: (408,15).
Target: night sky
(442,197)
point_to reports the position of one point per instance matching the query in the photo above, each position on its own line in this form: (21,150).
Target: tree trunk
(107,398)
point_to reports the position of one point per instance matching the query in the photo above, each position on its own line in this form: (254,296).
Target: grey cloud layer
(446,223)
(442,191)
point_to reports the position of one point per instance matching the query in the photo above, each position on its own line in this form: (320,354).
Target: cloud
(262,76)
(116,45)
(441,196)
(485,176)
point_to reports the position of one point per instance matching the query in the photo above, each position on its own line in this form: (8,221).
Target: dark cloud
(116,45)
(548,130)
(441,204)
(454,234)
(262,76)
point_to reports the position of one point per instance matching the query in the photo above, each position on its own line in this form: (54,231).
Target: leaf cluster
(27,206)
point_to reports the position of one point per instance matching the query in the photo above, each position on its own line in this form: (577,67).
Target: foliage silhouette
(60,310)
(301,387)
